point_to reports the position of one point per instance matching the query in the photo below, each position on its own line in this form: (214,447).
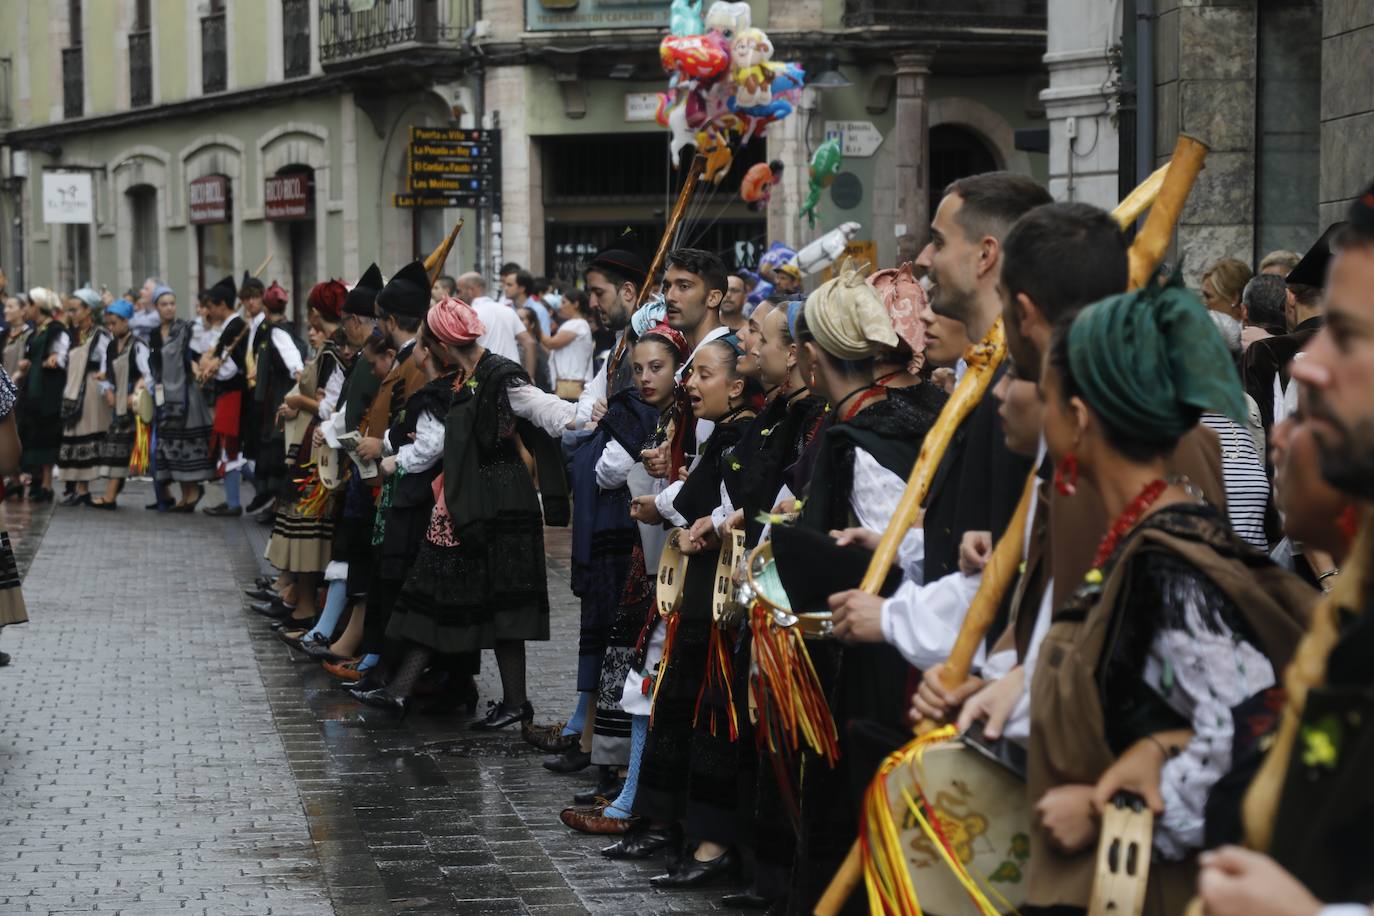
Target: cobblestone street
(161,752)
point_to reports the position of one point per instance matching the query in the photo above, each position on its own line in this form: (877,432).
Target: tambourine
(762,584)
(327,464)
(726,612)
(1123,857)
(144,408)
(672,568)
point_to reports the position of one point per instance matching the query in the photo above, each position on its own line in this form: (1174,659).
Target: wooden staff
(689,184)
(434,264)
(679,209)
(1153,239)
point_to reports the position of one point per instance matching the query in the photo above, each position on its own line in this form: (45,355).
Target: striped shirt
(1247,485)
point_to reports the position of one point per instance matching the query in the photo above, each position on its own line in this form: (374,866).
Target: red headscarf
(673,336)
(453,321)
(327,298)
(274,297)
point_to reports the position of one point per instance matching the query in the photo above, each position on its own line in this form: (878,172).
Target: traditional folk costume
(258,338)
(479,577)
(40,407)
(605,540)
(400,524)
(127,362)
(673,782)
(303,529)
(278,364)
(85,415)
(182,451)
(16,343)
(12,608)
(1178,622)
(230,346)
(357,506)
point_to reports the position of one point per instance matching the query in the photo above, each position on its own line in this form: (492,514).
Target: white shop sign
(858,139)
(67,198)
(641,106)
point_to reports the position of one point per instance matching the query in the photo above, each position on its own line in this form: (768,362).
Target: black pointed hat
(407,294)
(1311,270)
(362,297)
(223,291)
(250,286)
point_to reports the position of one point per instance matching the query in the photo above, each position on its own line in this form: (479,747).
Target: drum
(981,808)
(726,612)
(672,569)
(143,406)
(763,585)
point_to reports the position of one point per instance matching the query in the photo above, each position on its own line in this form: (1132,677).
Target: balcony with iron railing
(140,69)
(947,15)
(387,25)
(295,16)
(73,83)
(213,54)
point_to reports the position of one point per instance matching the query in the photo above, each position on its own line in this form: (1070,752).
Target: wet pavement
(160,751)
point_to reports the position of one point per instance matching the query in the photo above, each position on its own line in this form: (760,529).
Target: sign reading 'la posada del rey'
(452,167)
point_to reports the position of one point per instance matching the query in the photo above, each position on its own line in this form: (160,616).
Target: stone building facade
(1281,90)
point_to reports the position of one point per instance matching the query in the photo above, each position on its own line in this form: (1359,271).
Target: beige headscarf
(847,316)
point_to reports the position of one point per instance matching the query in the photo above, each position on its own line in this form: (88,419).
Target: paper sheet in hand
(349,443)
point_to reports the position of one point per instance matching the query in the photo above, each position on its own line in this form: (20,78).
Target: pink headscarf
(673,336)
(453,321)
(904,300)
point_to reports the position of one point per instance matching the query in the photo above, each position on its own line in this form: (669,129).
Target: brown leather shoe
(589,819)
(548,738)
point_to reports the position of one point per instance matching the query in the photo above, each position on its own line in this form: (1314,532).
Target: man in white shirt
(505,335)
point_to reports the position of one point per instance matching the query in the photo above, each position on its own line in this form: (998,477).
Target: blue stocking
(579,716)
(231,489)
(369,661)
(625,801)
(334,603)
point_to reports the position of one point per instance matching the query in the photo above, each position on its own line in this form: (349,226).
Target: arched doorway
(956,152)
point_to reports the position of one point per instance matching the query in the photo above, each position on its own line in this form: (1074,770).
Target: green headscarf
(1150,362)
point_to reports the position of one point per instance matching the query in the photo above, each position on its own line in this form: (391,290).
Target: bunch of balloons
(724,87)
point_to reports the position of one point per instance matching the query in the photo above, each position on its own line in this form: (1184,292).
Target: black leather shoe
(691,873)
(292,632)
(259,500)
(291,624)
(746,900)
(273,609)
(318,648)
(382,699)
(643,841)
(223,511)
(261,594)
(265,582)
(498,716)
(602,790)
(4,659)
(570,761)
(266,517)
(371,680)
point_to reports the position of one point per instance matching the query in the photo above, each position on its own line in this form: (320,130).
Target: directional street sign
(452,167)
(859,139)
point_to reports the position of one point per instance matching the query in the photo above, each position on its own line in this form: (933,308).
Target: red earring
(1066,475)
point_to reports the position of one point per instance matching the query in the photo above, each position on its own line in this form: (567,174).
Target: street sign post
(859,139)
(452,167)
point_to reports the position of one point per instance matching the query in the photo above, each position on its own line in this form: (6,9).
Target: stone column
(912,145)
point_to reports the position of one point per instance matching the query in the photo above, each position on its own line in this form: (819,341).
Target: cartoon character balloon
(684,18)
(826,250)
(757,185)
(825,165)
(719,156)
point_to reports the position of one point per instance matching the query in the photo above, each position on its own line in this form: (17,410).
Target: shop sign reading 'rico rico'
(208,198)
(288,197)
(452,167)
